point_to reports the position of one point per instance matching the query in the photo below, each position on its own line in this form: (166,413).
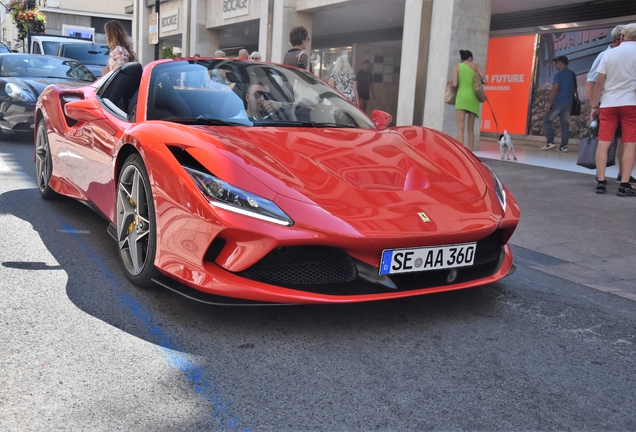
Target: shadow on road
(76,237)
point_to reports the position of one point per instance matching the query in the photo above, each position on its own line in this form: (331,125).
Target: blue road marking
(187,364)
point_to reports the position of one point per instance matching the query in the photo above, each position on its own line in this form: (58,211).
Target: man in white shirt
(617,79)
(592,76)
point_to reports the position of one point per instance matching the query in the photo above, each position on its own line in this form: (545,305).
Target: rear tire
(136,226)
(43,163)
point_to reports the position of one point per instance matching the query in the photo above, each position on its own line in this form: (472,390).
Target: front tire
(136,226)
(43,162)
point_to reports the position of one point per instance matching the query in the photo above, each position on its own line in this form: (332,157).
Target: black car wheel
(43,162)
(136,227)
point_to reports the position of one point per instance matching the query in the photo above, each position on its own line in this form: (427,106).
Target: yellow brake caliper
(131,227)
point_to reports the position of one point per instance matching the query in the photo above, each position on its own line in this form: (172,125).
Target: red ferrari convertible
(239,182)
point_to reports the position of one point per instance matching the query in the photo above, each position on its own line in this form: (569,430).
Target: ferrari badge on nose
(423,216)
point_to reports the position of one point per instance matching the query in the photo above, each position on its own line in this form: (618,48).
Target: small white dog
(505,146)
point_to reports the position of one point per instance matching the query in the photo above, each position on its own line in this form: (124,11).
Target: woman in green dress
(466,103)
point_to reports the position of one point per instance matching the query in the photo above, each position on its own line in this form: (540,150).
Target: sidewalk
(542,158)
(566,229)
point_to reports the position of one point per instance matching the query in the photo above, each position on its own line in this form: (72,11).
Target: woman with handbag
(465,75)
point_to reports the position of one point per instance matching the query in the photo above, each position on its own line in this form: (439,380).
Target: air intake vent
(303,265)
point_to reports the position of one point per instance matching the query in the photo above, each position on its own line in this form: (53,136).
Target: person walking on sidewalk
(466,102)
(560,104)
(617,79)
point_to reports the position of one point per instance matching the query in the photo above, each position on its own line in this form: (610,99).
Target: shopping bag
(450,93)
(478,86)
(587,152)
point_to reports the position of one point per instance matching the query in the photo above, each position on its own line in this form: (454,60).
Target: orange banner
(509,69)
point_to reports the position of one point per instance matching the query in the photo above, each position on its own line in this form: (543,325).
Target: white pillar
(438,68)
(457,25)
(186,29)
(277,31)
(265,30)
(202,41)
(284,19)
(408,64)
(145,51)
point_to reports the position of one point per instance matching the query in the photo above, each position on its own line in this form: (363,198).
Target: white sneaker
(563,149)
(548,146)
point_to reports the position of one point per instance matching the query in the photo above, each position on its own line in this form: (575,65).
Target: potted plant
(27,17)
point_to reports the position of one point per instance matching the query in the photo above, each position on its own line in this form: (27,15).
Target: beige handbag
(479,88)
(450,94)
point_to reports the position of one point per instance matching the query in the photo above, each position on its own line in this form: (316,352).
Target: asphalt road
(83,349)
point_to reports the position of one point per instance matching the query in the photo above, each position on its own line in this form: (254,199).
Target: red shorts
(611,117)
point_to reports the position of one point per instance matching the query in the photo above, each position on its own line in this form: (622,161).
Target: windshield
(50,47)
(247,93)
(42,66)
(86,54)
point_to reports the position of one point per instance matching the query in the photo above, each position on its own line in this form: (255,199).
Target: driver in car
(255,98)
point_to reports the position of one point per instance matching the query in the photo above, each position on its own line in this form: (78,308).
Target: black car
(24,76)
(94,57)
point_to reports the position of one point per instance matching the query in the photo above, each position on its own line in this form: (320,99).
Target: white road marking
(3,166)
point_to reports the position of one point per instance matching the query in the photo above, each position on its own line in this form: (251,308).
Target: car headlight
(223,195)
(499,188)
(17,93)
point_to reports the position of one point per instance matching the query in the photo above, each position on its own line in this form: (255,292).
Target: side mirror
(381,119)
(84,110)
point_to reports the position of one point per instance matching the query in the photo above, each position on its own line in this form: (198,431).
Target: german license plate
(427,258)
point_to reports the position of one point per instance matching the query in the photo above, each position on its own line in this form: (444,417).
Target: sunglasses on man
(258,94)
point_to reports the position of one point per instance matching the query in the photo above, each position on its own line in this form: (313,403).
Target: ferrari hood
(361,168)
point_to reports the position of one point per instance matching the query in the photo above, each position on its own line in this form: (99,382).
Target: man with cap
(592,76)
(617,79)
(560,104)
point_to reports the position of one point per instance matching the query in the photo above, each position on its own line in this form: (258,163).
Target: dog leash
(493,116)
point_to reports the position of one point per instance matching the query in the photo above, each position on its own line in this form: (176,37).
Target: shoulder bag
(479,88)
(450,94)
(576,102)
(587,152)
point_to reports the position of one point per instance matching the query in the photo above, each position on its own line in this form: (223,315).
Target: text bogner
(232,5)
(169,20)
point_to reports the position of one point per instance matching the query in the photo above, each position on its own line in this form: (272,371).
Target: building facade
(412,43)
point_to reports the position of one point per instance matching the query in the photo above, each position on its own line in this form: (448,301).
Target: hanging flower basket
(27,17)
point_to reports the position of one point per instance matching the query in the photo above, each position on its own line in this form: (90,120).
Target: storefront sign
(509,70)
(169,21)
(153,29)
(234,8)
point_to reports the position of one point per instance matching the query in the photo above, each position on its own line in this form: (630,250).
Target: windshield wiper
(292,123)
(67,78)
(337,125)
(202,121)
(57,77)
